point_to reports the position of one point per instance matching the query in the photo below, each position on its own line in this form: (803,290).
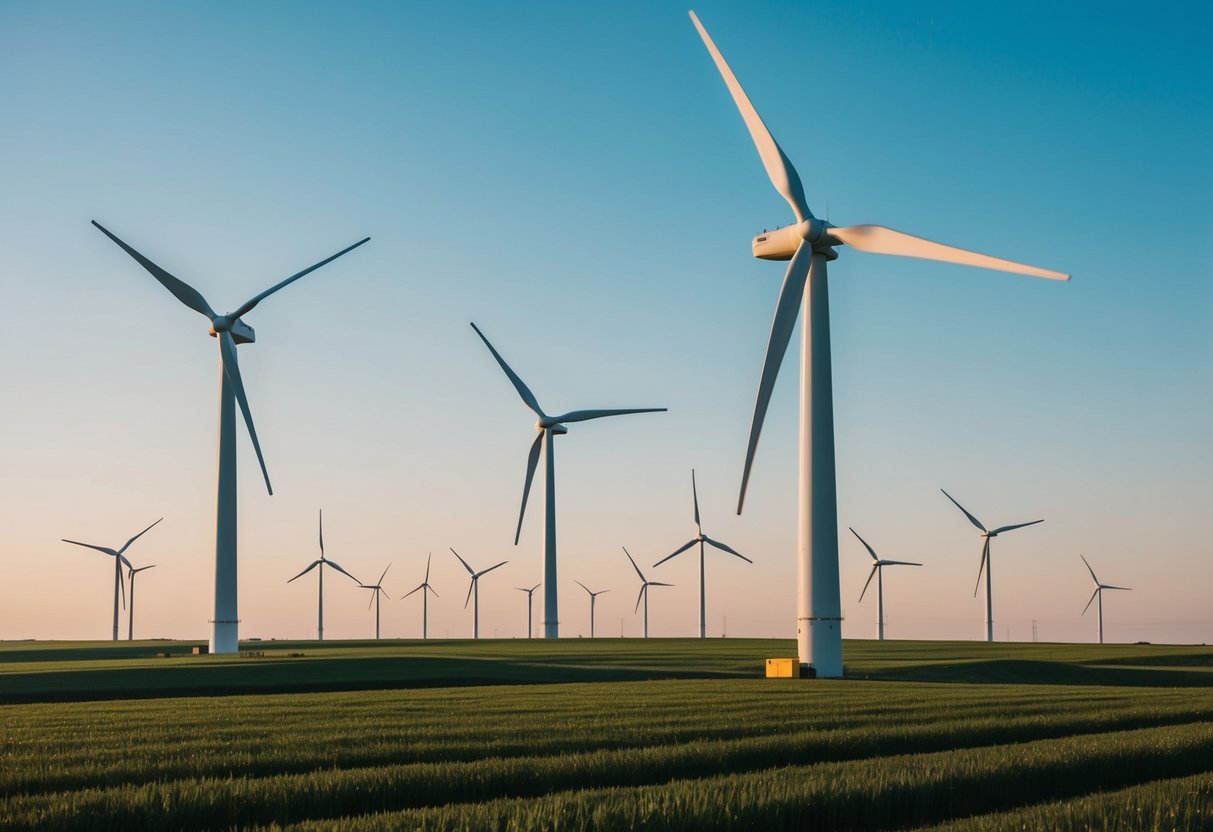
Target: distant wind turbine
(1099,588)
(878,566)
(986,537)
(645,583)
(230,330)
(701,539)
(130,625)
(119,561)
(547,427)
(376,590)
(530,595)
(425,589)
(593,597)
(322,562)
(474,590)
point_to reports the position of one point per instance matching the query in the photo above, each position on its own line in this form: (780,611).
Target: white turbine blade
(373,596)
(181,290)
(676,552)
(1002,529)
(640,596)
(536,586)
(1092,598)
(783,175)
(528,398)
(126,562)
(787,309)
(985,554)
(384,575)
(871,575)
(695,497)
(586,415)
(601,591)
(248,305)
(411,591)
(337,566)
(128,543)
(427,566)
(722,547)
(532,462)
(1123,588)
(491,568)
(142,568)
(105,549)
(658,583)
(471,586)
(899,563)
(431,589)
(583,586)
(871,551)
(122,587)
(321,532)
(470,570)
(634,566)
(972,519)
(314,564)
(1089,569)
(877,239)
(227,351)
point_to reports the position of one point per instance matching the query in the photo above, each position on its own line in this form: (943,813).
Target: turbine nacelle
(549,423)
(242,333)
(782,243)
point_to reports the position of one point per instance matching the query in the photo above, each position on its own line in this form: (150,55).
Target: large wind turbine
(645,583)
(322,562)
(986,537)
(593,597)
(1099,588)
(474,589)
(809,244)
(425,589)
(878,566)
(132,572)
(119,561)
(376,591)
(530,596)
(230,330)
(701,539)
(546,427)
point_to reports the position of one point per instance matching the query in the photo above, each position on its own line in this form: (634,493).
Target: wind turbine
(530,594)
(425,589)
(809,244)
(701,539)
(1099,588)
(321,563)
(645,583)
(593,598)
(986,563)
(546,427)
(376,590)
(474,589)
(119,561)
(230,330)
(878,566)
(130,625)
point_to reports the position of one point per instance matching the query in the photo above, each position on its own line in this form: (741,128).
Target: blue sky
(577,181)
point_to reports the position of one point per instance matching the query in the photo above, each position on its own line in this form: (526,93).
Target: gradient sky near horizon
(576,180)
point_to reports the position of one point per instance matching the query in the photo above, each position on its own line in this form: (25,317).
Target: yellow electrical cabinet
(783,668)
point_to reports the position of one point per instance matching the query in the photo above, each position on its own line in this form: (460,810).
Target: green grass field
(605,734)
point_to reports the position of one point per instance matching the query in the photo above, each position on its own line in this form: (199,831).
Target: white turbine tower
(376,591)
(474,590)
(530,596)
(701,539)
(986,537)
(809,244)
(547,427)
(230,331)
(132,572)
(878,566)
(645,583)
(322,562)
(425,589)
(593,597)
(1099,588)
(119,561)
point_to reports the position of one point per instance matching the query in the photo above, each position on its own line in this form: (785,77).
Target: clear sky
(575,179)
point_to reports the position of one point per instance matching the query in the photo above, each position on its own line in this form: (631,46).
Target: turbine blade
(1089,569)
(786,311)
(1109,586)
(372,603)
(248,305)
(658,583)
(470,570)
(122,587)
(384,575)
(128,543)
(431,589)
(899,563)
(871,575)
(227,352)
(181,290)
(411,591)
(779,169)
(586,415)
(532,462)
(321,532)
(722,547)
(491,568)
(695,497)
(471,586)
(128,564)
(640,597)
(871,551)
(634,566)
(536,586)
(676,552)
(338,567)
(1092,598)
(104,549)
(877,239)
(528,398)
(427,566)
(972,519)
(583,586)
(315,563)
(985,553)
(1002,529)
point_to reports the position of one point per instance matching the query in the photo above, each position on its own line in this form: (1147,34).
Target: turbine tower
(130,624)
(474,590)
(546,427)
(376,590)
(425,589)
(321,563)
(119,561)
(878,566)
(530,595)
(645,583)
(229,330)
(1099,588)
(809,243)
(701,539)
(986,564)
(593,598)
